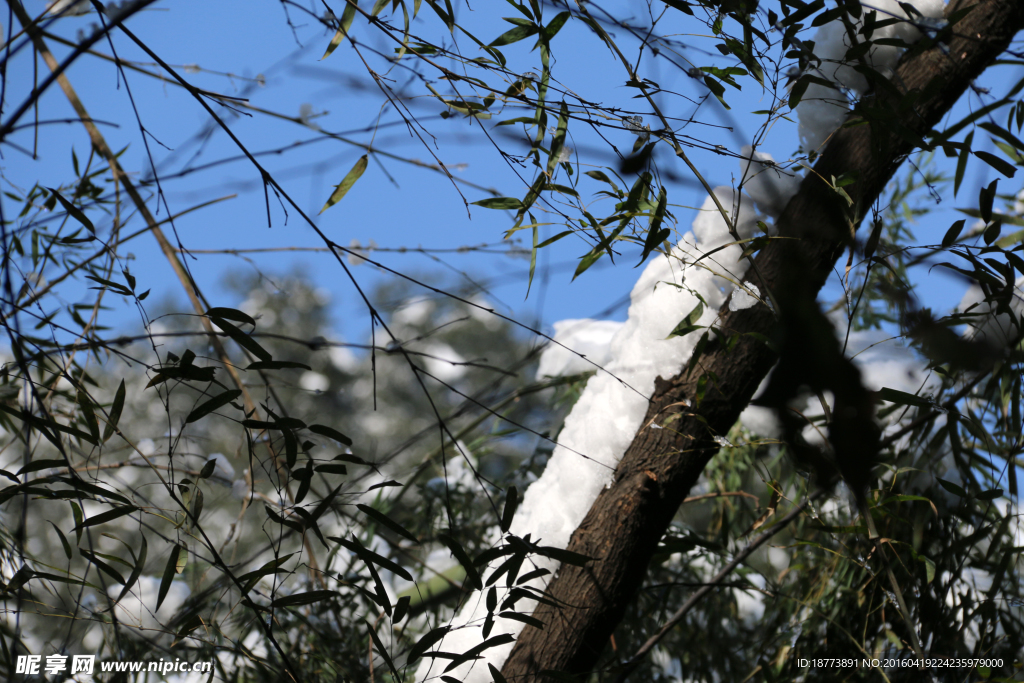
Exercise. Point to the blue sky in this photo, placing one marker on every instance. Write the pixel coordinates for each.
(278, 68)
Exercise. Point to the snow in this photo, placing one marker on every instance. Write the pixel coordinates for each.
(767, 184)
(744, 297)
(613, 404)
(823, 109)
(443, 362)
(589, 338)
(314, 382)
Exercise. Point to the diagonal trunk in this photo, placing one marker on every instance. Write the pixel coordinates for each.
(629, 518)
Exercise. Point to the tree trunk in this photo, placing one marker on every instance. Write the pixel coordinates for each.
(628, 519)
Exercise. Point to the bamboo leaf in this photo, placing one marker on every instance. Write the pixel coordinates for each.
(381, 649)
(231, 314)
(961, 164)
(74, 211)
(170, 569)
(460, 555)
(212, 405)
(509, 203)
(689, 323)
(345, 185)
(424, 643)
(242, 339)
(140, 564)
(655, 234)
(509, 511)
(63, 540)
(379, 516)
(115, 412)
(307, 598)
(330, 433)
(514, 35)
(107, 516)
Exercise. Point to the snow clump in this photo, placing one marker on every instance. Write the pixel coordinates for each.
(823, 109)
(588, 338)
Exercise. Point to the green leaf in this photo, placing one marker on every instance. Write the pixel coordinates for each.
(952, 488)
(381, 649)
(564, 556)
(509, 511)
(42, 464)
(555, 25)
(558, 141)
(533, 260)
(472, 653)
(589, 259)
(89, 416)
(523, 618)
(368, 556)
(689, 323)
(197, 507)
(106, 516)
(961, 164)
(380, 517)
(277, 365)
(208, 468)
(170, 569)
(115, 414)
(599, 175)
(514, 35)
(953, 233)
(797, 93)
(212, 405)
(63, 540)
(74, 211)
(140, 564)
(344, 186)
(242, 339)
(116, 286)
(903, 398)
(424, 643)
(44, 426)
(991, 494)
(332, 469)
(460, 555)
(508, 203)
(343, 27)
(656, 235)
(231, 314)
(100, 564)
(330, 433)
(986, 196)
(998, 163)
(929, 568)
(307, 598)
(305, 477)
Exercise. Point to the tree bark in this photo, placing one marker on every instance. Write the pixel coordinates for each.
(628, 519)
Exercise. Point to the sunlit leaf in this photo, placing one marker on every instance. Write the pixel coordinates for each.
(345, 185)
